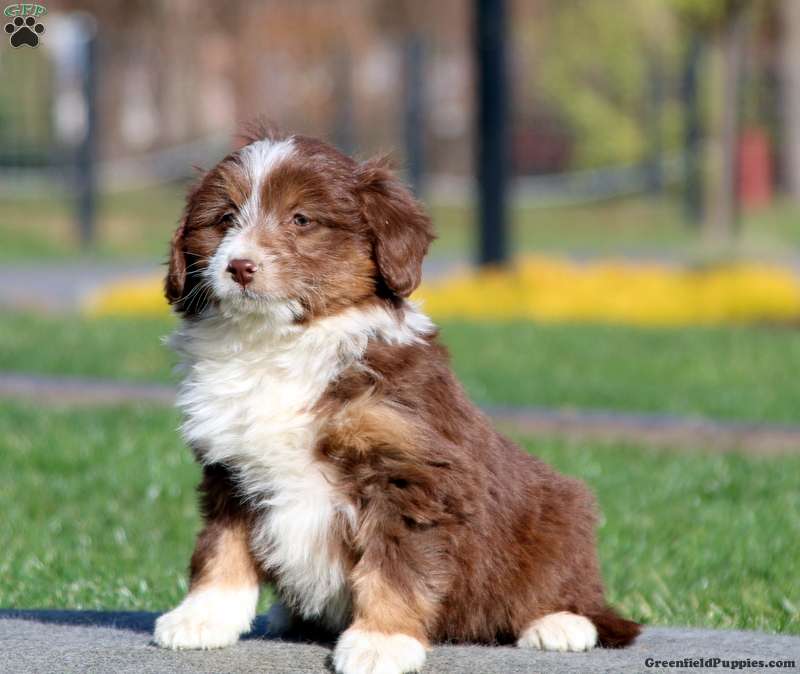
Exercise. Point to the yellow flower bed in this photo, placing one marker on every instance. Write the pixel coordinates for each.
(133, 297)
(549, 289)
(546, 289)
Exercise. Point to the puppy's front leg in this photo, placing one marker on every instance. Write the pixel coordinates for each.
(224, 579)
(388, 634)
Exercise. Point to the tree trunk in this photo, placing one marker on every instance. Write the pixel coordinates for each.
(723, 209)
(790, 95)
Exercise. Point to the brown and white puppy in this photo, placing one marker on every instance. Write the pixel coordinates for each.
(342, 461)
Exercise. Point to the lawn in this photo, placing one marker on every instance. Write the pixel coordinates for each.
(99, 512)
(746, 373)
(130, 225)
(139, 223)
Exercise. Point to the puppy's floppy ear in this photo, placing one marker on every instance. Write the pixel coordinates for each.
(400, 229)
(175, 281)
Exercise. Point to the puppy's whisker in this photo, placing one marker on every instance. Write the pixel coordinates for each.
(197, 263)
(195, 291)
(207, 295)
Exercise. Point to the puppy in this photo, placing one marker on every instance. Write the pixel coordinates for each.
(342, 461)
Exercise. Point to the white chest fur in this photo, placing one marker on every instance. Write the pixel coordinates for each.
(247, 397)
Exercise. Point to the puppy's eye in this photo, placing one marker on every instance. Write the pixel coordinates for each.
(227, 219)
(301, 220)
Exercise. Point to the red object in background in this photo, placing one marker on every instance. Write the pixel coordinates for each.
(755, 169)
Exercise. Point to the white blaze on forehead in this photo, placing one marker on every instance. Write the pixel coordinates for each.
(259, 160)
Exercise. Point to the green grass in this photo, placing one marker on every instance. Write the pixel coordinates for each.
(614, 227)
(744, 373)
(727, 372)
(630, 226)
(134, 224)
(139, 224)
(693, 539)
(121, 348)
(99, 512)
(97, 505)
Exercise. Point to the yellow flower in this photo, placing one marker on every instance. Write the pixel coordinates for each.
(133, 297)
(547, 289)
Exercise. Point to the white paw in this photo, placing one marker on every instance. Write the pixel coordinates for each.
(364, 652)
(205, 619)
(561, 631)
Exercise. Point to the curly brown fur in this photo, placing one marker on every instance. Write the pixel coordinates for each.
(343, 460)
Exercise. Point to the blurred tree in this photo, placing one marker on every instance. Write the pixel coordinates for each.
(594, 68)
(723, 23)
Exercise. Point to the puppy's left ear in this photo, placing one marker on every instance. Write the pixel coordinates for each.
(400, 229)
(175, 281)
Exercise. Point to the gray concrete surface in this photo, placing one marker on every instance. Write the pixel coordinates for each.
(96, 642)
(48, 285)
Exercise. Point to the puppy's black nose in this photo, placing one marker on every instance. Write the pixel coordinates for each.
(242, 271)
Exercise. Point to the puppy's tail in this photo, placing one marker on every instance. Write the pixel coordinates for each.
(614, 631)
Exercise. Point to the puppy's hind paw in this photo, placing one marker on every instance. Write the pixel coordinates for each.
(562, 631)
(365, 652)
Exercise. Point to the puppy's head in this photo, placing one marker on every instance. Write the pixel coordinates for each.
(291, 225)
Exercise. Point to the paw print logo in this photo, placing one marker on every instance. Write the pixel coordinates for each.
(24, 31)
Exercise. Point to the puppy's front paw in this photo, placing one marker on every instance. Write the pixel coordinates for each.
(211, 618)
(365, 652)
(562, 631)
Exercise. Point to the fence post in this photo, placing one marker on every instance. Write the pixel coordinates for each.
(654, 164)
(693, 188)
(414, 111)
(489, 35)
(86, 151)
